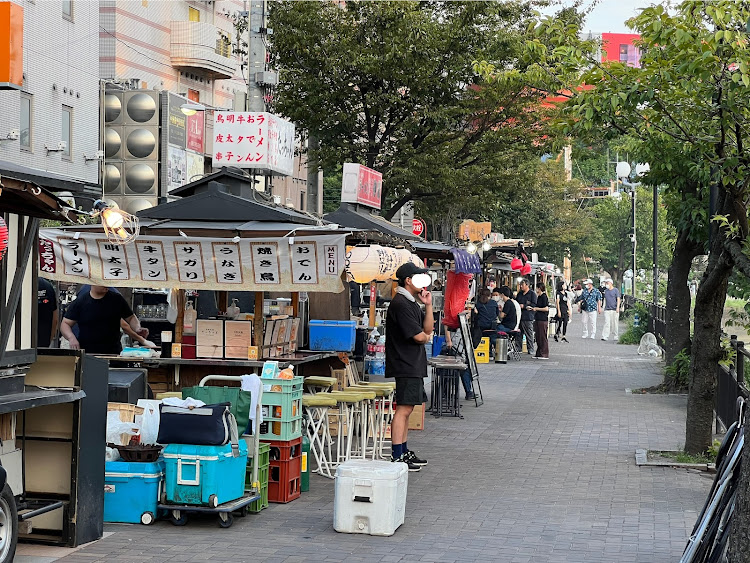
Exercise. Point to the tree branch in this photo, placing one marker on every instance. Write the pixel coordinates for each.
(741, 261)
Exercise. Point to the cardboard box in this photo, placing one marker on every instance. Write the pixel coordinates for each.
(416, 420)
(237, 339)
(341, 379)
(209, 338)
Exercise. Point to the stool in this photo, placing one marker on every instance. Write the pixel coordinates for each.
(318, 432)
(514, 350)
(319, 384)
(353, 412)
(376, 414)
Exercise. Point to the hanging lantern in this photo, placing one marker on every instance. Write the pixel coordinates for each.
(3, 238)
(516, 264)
(526, 269)
(372, 263)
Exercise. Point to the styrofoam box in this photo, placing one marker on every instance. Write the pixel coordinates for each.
(370, 497)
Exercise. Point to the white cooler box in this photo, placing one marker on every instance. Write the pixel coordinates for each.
(370, 497)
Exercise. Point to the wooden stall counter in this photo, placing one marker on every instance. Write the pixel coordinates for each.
(171, 374)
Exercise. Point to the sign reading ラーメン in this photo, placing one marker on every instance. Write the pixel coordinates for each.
(272, 264)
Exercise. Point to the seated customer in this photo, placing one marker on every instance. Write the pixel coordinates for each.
(508, 316)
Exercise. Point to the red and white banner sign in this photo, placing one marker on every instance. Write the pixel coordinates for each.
(361, 185)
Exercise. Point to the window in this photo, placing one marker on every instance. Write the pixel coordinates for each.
(67, 9)
(26, 121)
(67, 131)
(194, 15)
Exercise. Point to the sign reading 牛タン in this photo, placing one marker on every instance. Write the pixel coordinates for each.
(361, 185)
(257, 140)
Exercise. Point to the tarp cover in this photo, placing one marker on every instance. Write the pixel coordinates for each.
(310, 263)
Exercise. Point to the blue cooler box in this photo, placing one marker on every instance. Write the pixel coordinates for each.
(132, 490)
(333, 336)
(204, 475)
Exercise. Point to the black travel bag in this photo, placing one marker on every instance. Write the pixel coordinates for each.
(209, 425)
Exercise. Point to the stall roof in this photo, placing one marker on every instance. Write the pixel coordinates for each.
(432, 250)
(47, 180)
(27, 198)
(348, 216)
(216, 204)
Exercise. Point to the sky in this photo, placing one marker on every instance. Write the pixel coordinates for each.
(610, 15)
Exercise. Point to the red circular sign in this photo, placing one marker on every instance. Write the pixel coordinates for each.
(417, 227)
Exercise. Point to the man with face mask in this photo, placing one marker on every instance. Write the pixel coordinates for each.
(407, 329)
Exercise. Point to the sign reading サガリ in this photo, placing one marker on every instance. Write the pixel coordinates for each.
(276, 264)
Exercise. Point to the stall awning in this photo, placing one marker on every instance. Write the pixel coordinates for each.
(466, 263)
(348, 216)
(47, 180)
(312, 263)
(431, 250)
(24, 197)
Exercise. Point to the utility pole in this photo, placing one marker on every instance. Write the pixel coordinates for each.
(256, 54)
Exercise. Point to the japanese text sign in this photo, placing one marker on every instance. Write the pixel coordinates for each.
(258, 140)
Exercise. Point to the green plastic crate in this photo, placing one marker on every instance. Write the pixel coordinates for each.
(263, 454)
(283, 431)
(287, 385)
(285, 406)
(258, 505)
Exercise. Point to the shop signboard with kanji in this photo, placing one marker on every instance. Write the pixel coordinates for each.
(361, 185)
(271, 264)
(256, 140)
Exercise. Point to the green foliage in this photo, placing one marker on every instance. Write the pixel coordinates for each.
(393, 85)
(332, 189)
(678, 372)
(633, 334)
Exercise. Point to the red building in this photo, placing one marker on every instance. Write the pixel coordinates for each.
(620, 47)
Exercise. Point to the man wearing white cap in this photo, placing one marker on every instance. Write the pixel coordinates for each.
(590, 305)
(611, 311)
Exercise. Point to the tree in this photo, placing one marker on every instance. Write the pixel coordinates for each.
(687, 105)
(392, 85)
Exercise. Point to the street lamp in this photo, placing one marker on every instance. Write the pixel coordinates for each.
(623, 172)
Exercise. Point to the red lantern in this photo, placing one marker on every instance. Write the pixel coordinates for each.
(3, 238)
(526, 270)
(516, 264)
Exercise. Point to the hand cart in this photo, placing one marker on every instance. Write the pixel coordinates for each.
(178, 512)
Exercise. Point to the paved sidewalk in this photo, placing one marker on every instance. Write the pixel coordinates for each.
(544, 471)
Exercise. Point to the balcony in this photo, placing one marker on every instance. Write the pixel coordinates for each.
(197, 46)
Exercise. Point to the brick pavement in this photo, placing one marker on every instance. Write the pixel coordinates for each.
(544, 471)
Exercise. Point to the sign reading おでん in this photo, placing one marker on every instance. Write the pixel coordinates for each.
(258, 140)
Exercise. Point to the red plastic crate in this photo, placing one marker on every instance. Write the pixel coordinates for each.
(284, 450)
(284, 480)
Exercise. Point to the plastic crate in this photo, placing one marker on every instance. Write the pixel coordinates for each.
(281, 431)
(263, 454)
(333, 336)
(258, 505)
(284, 480)
(274, 386)
(482, 356)
(284, 406)
(285, 450)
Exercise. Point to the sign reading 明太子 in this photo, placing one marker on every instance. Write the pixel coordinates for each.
(273, 264)
(361, 185)
(258, 140)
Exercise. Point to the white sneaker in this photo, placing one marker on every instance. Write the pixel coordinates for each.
(584, 336)
(593, 338)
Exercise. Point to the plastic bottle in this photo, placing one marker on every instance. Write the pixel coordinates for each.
(380, 348)
(189, 318)
(366, 319)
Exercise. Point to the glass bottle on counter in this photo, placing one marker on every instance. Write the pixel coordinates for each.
(188, 321)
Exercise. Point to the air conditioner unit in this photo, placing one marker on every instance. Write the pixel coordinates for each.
(267, 78)
(277, 199)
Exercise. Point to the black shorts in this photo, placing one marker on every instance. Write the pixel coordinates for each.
(410, 391)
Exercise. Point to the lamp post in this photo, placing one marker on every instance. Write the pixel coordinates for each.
(623, 172)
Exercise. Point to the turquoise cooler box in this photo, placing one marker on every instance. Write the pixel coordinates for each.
(132, 490)
(204, 475)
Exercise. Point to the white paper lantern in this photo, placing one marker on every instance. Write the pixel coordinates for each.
(371, 263)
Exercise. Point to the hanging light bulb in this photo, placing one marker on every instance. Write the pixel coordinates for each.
(486, 246)
(471, 248)
(119, 226)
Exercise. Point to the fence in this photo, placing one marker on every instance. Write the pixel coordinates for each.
(730, 384)
(657, 316)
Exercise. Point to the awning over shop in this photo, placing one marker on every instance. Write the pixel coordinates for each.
(348, 216)
(24, 197)
(466, 263)
(47, 180)
(431, 250)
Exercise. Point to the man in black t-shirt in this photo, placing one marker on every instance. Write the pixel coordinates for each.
(407, 330)
(527, 300)
(508, 318)
(47, 316)
(97, 314)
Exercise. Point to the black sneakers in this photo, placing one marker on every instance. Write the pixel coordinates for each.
(404, 459)
(412, 457)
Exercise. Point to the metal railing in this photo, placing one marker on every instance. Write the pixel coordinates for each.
(657, 316)
(730, 384)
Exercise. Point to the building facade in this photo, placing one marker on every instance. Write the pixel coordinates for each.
(50, 125)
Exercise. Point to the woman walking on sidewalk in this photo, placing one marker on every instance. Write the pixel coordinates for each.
(541, 322)
(562, 305)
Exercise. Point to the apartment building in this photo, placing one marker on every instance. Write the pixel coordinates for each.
(186, 47)
(49, 122)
